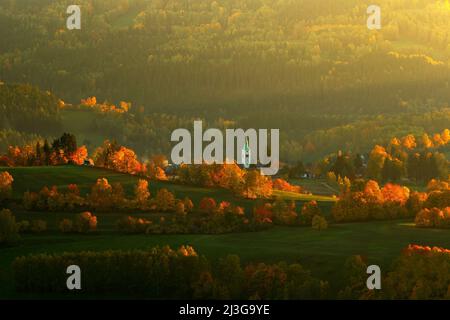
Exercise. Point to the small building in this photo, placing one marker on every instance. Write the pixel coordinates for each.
(88, 162)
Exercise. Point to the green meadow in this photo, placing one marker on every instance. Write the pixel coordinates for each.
(323, 252)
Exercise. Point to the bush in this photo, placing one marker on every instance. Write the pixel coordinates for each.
(6, 181)
(319, 223)
(309, 211)
(180, 209)
(208, 206)
(133, 225)
(38, 226)
(66, 226)
(165, 200)
(24, 226)
(9, 231)
(85, 222)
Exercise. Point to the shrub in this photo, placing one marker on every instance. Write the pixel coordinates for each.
(66, 226)
(9, 231)
(165, 200)
(85, 222)
(319, 223)
(141, 194)
(208, 206)
(24, 226)
(133, 225)
(284, 213)
(38, 226)
(180, 209)
(101, 196)
(283, 185)
(6, 181)
(188, 205)
(309, 211)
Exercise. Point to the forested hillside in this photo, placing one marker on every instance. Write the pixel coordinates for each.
(310, 68)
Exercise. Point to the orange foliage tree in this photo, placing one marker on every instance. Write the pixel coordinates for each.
(6, 181)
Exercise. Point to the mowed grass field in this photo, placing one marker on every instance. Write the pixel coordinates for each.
(323, 252)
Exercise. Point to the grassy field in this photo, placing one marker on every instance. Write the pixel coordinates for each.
(322, 252)
(35, 178)
(316, 186)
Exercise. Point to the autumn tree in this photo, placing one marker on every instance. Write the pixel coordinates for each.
(79, 155)
(376, 162)
(179, 208)
(6, 181)
(8, 227)
(125, 160)
(67, 144)
(283, 212)
(188, 204)
(256, 185)
(309, 211)
(155, 172)
(85, 222)
(100, 197)
(165, 200)
(319, 223)
(208, 206)
(141, 194)
(355, 278)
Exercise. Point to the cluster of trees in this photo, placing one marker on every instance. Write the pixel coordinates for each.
(421, 272)
(367, 201)
(164, 273)
(435, 211)
(103, 197)
(246, 183)
(51, 199)
(35, 226)
(90, 103)
(111, 197)
(27, 109)
(283, 185)
(361, 201)
(6, 181)
(408, 157)
(281, 212)
(83, 223)
(433, 218)
(210, 219)
(9, 229)
(63, 150)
